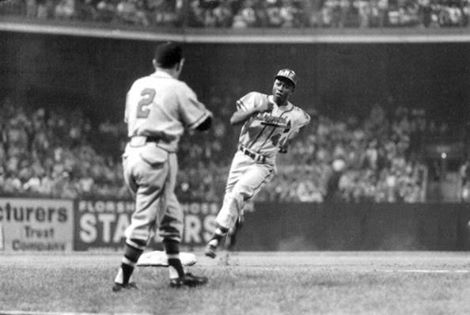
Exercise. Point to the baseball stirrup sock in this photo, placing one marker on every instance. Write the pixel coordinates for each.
(128, 262)
(219, 234)
(175, 267)
(174, 263)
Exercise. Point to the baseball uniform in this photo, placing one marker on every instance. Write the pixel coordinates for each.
(269, 123)
(254, 162)
(158, 109)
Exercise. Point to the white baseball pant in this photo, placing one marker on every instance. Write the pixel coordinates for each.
(245, 180)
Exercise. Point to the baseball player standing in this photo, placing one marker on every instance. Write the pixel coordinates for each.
(269, 124)
(158, 109)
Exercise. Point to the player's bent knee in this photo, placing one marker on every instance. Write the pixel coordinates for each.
(246, 196)
(242, 194)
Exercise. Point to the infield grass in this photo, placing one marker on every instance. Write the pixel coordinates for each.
(248, 283)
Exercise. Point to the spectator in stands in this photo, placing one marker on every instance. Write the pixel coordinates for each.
(382, 7)
(106, 11)
(86, 10)
(289, 14)
(165, 12)
(332, 184)
(425, 12)
(195, 16)
(270, 15)
(246, 16)
(45, 9)
(65, 9)
(31, 8)
(223, 15)
(464, 173)
(132, 12)
(364, 12)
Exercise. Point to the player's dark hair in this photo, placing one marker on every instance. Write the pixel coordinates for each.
(168, 54)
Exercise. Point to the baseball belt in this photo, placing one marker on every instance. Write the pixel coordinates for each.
(255, 156)
(137, 141)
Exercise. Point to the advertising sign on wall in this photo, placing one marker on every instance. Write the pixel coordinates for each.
(101, 224)
(36, 224)
(199, 222)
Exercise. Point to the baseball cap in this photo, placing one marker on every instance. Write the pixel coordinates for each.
(168, 54)
(287, 74)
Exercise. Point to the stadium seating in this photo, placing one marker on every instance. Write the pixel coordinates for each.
(240, 14)
(59, 153)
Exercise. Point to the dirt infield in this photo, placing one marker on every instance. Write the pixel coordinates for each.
(244, 283)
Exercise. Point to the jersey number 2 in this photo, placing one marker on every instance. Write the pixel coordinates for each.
(147, 98)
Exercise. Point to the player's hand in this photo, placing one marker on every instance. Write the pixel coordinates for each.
(266, 107)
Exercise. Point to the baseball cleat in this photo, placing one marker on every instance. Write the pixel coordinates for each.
(188, 280)
(210, 251)
(128, 286)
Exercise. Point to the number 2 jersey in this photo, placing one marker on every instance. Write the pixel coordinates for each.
(264, 133)
(161, 106)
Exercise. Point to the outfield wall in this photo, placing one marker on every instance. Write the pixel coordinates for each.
(99, 225)
(304, 226)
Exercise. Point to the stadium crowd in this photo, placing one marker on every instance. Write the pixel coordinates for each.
(59, 153)
(48, 153)
(356, 161)
(239, 14)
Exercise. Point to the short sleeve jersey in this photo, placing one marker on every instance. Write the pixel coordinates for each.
(265, 132)
(161, 106)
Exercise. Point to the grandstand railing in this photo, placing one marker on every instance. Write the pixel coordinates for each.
(307, 22)
(197, 35)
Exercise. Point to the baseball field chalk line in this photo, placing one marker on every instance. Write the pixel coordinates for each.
(62, 313)
(458, 271)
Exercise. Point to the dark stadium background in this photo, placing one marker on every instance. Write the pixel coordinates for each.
(337, 79)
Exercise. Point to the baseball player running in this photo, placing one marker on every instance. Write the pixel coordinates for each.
(270, 122)
(158, 109)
